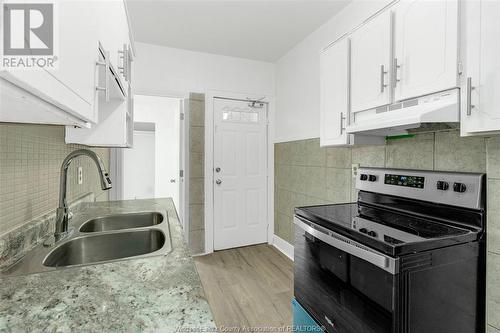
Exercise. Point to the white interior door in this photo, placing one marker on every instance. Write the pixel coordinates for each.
(139, 167)
(240, 174)
(164, 113)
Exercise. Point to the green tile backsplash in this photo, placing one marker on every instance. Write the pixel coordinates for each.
(306, 174)
(196, 172)
(30, 162)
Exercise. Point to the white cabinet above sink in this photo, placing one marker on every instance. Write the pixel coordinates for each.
(70, 84)
(114, 99)
(69, 93)
(20, 106)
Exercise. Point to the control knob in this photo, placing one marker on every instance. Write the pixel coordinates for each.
(459, 187)
(372, 178)
(363, 177)
(442, 185)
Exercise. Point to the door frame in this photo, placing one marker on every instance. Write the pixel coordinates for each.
(209, 161)
(116, 158)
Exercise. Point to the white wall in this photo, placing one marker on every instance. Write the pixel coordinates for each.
(162, 69)
(139, 167)
(164, 112)
(297, 73)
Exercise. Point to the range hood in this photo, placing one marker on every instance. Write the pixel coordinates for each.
(432, 112)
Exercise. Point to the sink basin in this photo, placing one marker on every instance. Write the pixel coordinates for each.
(122, 221)
(97, 248)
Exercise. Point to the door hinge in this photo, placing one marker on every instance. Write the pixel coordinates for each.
(182, 115)
(181, 173)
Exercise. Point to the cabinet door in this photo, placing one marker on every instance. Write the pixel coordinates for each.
(370, 63)
(426, 47)
(334, 94)
(113, 29)
(78, 51)
(71, 85)
(481, 78)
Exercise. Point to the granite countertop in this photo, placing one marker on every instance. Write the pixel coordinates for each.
(155, 294)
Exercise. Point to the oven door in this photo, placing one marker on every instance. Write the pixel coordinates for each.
(346, 286)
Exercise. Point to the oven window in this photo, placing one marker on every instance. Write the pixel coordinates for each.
(344, 293)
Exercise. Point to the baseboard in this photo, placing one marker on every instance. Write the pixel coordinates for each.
(283, 246)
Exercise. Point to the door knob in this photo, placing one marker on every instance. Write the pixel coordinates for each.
(172, 180)
(217, 169)
(218, 182)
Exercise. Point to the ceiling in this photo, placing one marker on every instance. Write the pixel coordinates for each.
(259, 30)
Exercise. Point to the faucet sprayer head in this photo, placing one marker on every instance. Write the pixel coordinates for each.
(105, 181)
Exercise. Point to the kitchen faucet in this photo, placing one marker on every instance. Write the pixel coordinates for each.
(62, 215)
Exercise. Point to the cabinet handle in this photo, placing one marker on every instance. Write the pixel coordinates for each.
(343, 243)
(342, 128)
(383, 72)
(105, 64)
(469, 89)
(124, 57)
(395, 79)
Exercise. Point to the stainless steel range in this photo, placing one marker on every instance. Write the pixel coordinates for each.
(408, 256)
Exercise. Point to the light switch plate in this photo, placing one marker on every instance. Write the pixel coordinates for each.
(354, 169)
(80, 175)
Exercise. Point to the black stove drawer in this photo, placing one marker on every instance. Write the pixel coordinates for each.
(349, 291)
(324, 285)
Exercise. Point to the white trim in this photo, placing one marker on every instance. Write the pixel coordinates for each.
(283, 246)
(184, 161)
(162, 93)
(130, 31)
(209, 177)
(116, 173)
(209, 161)
(116, 159)
(270, 170)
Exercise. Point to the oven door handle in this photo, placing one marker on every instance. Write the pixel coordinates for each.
(345, 244)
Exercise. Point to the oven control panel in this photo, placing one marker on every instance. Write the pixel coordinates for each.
(451, 188)
(404, 180)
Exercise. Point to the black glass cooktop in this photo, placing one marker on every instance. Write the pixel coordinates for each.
(391, 231)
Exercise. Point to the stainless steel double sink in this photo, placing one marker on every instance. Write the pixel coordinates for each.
(101, 240)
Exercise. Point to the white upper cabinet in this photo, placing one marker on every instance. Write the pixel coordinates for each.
(371, 63)
(81, 26)
(334, 106)
(481, 78)
(78, 52)
(114, 99)
(113, 29)
(70, 86)
(425, 47)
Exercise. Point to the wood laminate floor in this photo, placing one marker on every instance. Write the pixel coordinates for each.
(248, 287)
